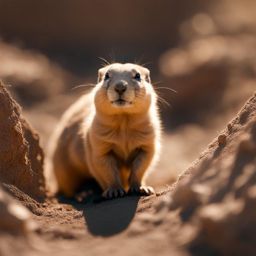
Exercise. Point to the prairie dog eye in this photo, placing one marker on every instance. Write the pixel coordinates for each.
(137, 77)
(106, 76)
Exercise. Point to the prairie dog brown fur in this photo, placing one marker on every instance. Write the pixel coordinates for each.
(111, 134)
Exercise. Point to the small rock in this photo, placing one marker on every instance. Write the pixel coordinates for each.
(222, 139)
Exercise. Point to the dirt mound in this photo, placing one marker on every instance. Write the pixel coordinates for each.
(217, 194)
(207, 74)
(21, 156)
(31, 75)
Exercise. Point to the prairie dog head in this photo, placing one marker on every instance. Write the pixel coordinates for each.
(123, 88)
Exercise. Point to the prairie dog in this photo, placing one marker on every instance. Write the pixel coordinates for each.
(111, 134)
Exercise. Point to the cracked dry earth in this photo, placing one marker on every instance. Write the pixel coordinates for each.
(210, 210)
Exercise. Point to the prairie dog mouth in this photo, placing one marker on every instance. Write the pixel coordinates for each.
(121, 102)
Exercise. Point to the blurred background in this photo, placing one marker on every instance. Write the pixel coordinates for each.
(205, 50)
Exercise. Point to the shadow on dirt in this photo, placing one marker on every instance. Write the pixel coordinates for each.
(103, 217)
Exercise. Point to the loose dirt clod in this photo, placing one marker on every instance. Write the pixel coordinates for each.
(222, 139)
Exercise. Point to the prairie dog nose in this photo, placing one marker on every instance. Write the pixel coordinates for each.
(121, 87)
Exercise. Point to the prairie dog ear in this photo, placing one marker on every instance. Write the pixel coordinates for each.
(147, 75)
(101, 73)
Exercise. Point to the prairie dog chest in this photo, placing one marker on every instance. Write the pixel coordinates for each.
(126, 140)
(122, 136)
